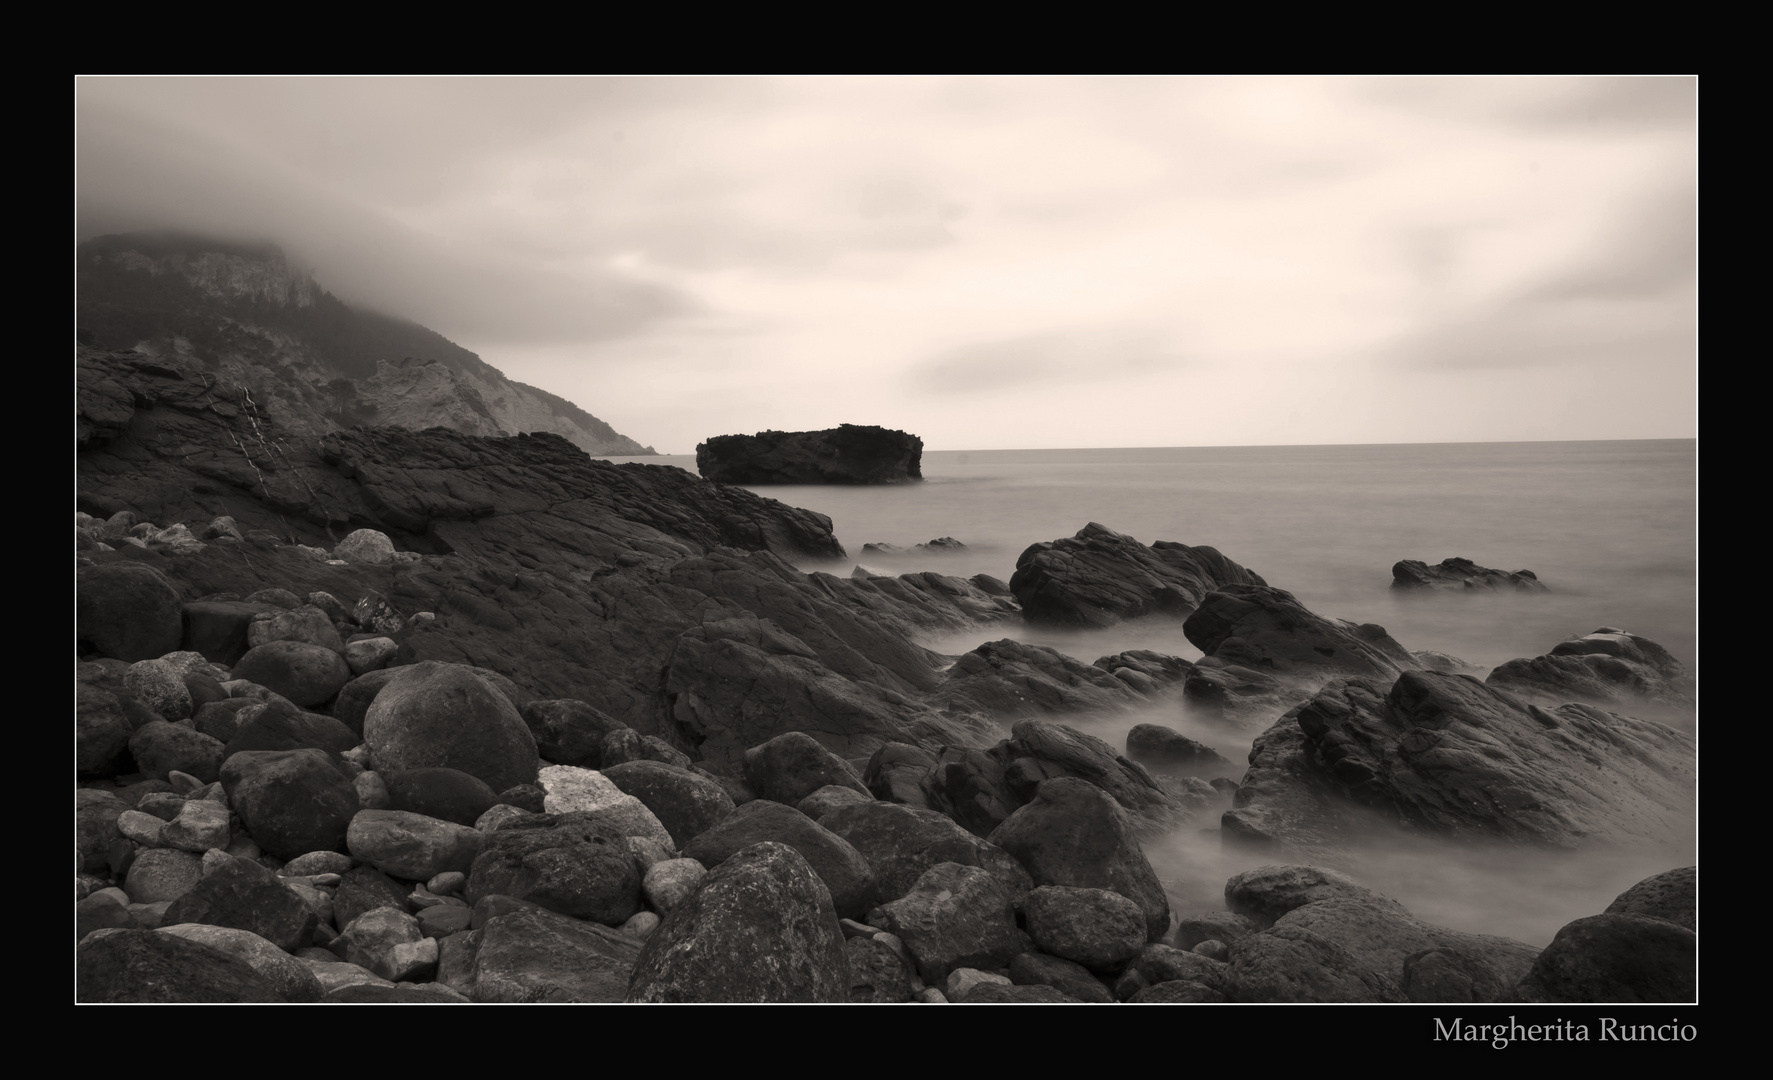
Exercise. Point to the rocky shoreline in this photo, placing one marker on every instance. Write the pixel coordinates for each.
(385, 715)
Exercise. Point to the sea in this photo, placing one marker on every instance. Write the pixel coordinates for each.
(1609, 527)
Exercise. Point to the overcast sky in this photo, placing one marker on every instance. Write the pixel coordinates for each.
(985, 262)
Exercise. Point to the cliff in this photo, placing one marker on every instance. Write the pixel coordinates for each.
(245, 316)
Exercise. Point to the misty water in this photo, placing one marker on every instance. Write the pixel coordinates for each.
(1609, 527)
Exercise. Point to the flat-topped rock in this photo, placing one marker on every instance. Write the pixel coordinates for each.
(850, 454)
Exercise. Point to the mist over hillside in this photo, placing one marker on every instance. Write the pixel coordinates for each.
(241, 311)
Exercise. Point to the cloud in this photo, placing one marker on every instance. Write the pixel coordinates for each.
(1553, 104)
(1051, 358)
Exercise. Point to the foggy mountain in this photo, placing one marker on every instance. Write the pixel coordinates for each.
(241, 312)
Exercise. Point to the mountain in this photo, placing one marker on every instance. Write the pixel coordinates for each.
(243, 314)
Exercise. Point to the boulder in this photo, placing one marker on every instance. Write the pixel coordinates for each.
(1074, 833)
(304, 673)
(1609, 667)
(901, 843)
(149, 967)
(292, 801)
(1671, 895)
(685, 802)
(1268, 629)
(128, 611)
(241, 894)
(760, 928)
(1166, 750)
(954, 917)
(1099, 577)
(538, 956)
(1629, 959)
(849, 454)
(840, 867)
(445, 715)
(572, 864)
(793, 765)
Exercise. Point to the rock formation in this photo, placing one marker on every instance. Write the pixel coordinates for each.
(1461, 575)
(248, 319)
(1100, 577)
(850, 454)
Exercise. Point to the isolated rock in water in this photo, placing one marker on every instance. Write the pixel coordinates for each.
(849, 454)
(759, 928)
(1271, 631)
(1671, 895)
(1448, 755)
(1616, 958)
(1608, 667)
(1100, 577)
(1461, 575)
(1166, 750)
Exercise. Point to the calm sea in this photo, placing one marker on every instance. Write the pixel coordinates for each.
(1609, 527)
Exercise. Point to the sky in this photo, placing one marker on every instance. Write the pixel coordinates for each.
(984, 262)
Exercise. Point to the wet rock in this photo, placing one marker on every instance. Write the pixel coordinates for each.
(585, 791)
(1066, 976)
(1099, 929)
(901, 843)
(793, 765)
(1609, 667)
(160, 748)
(448, 794)
(294, 980)
(569, 732)
(1291, 964)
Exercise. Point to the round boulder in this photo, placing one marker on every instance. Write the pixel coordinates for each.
(304, 673)
(127, 611)
(434, 714)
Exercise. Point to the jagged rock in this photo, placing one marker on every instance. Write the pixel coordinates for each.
(1074, 833)
(760, 928)
(1460, 575)
(1268, 629)
(1448, 755)
(849, 454)
(1100, 577)
(1608, 667)
(1011, 680)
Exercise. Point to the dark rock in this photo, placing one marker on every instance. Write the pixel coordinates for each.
(1158, 964)
(686, 803)
(1265, 894)
(1671, 895)
(525, 797)
(994, 993)
(840, 867)
(279, 725)
(1177, 992)
(1074, 833)
(292, 801)
(355, 699)
(444, 715)
(901, 843)
(128, 611)
(793, 765)
(829, 798)
(760, 928)
(849, 454)
(1100, 577)
(895, 774)
(102, 732)
(569, 732)
(447, 794)
(243, 895)
(1146, 671)
(305, 674)
(539, 956)
(365, 888)
(1097, 928)
(1609, 667)
(574, 865)
(955, 916)
(1291, 964)
(1448, 755)
(1225, 926)
(878, 975)
(1166, 750)
(1435, 976)
(145, 967)
(160, 748)
(95, 827)
(1460, 575)
(1268, 629)
(1628, 959)
(1011, 680)
(1068, 977)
